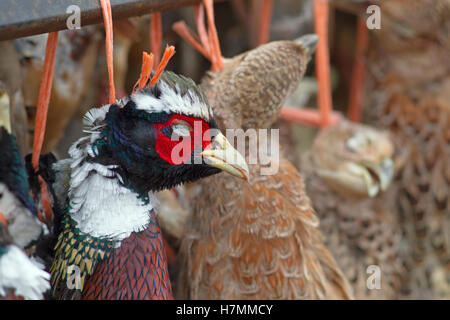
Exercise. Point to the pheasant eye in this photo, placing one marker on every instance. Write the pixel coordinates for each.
(181, 129)
(357, 143)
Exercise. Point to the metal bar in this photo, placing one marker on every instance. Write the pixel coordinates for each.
(21, 18)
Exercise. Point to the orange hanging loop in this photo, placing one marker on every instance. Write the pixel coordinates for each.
(107, 18)
(216, 55)
(186, 33)
(264, 21)
(44, 98)
(306, 117)
(202, 33)
(209, 41)
(155, 37)
(323, 61)
(358, 73)
(41, 119)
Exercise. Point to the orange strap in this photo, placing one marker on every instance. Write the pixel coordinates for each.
(41, 119)
(107, 18)
(358, 74)
(44, 98)
(306, 117)
(155, 37)
(186, 33)
(264, 21)
(209, 41)
(323, 61)
(200, 22)
(217, 64)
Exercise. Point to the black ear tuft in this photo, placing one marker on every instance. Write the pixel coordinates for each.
(155, 91)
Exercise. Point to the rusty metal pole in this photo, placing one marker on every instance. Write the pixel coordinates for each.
(22, 18)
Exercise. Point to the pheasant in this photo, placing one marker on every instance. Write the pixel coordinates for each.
(11, 95)
(109, 231)
(256, 240)
(408, 95)
(75, 61)
(20, 277)
(346, 170)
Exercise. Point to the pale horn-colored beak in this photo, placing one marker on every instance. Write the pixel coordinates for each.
(378, 176)
(384, 172)
(226, 158)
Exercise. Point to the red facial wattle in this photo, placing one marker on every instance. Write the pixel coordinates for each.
(179, 151)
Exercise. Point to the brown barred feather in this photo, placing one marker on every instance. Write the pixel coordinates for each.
(260, 242)
(408, 93)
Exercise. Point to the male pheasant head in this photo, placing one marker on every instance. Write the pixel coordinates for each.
(162, 135)
(354, 159)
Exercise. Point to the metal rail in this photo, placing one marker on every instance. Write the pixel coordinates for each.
(21, 18)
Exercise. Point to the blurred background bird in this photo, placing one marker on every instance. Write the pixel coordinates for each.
(407, 93)
(76, 56)
(346, 171)
(13, 115)
(20, 276)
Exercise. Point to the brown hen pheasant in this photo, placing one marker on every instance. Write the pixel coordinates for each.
(346, 169)
(257, 239)
(408, 93)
